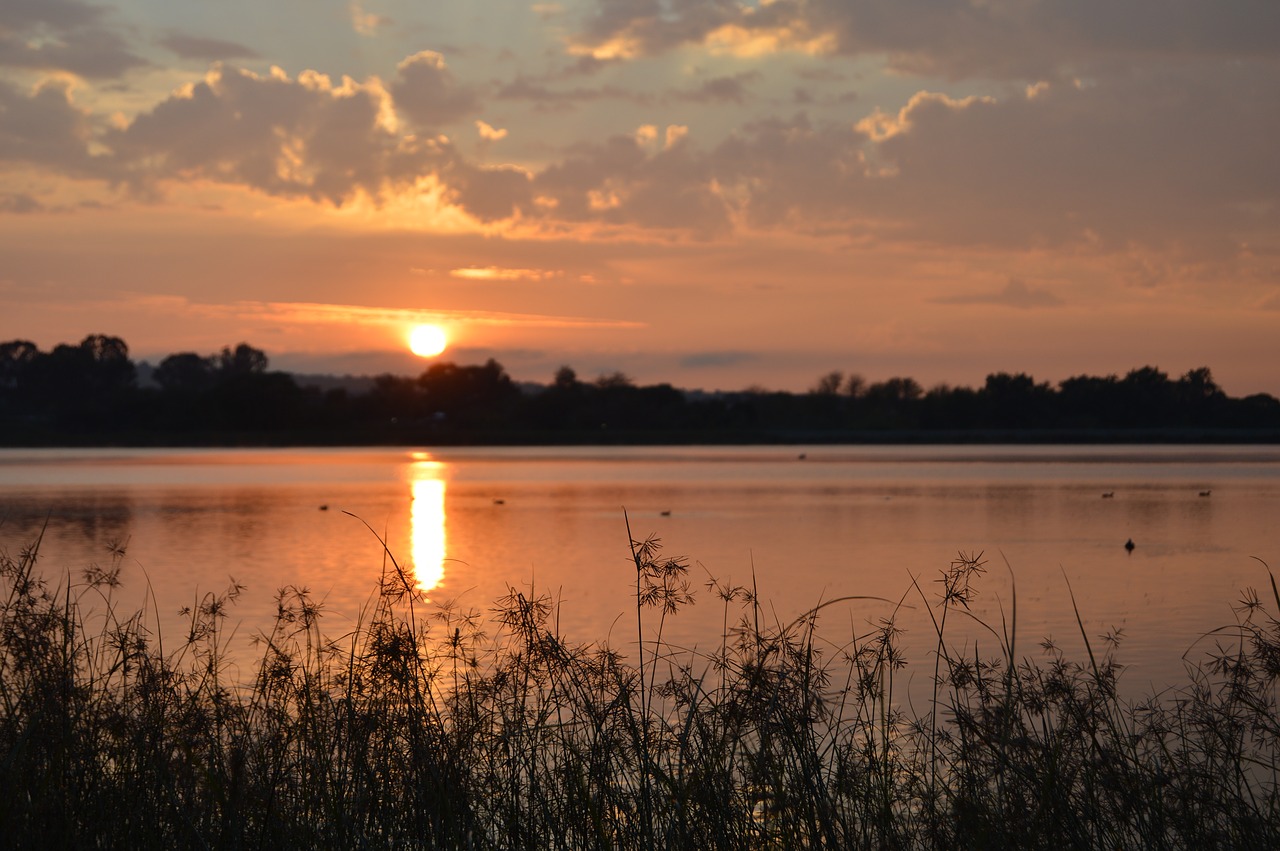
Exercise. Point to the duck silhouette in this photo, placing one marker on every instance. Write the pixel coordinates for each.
(1129, 545)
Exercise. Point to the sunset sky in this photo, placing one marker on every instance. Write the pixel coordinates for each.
(711, 193)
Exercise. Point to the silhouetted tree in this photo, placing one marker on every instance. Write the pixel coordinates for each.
(565, 379)
(244, 359)
(828, 384)
(16, 359)
(614, 380)
(855, 385)
(895, 390)
(1086, 401)
(186, 372)
(83, 386)
(468, 395)
(1148, 398)
(1016, 401)
(89, 388)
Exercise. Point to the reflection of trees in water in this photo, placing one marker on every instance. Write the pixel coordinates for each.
(238, 514)
(97, 518)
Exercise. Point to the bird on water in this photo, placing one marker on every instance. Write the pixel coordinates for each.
(1129, 545)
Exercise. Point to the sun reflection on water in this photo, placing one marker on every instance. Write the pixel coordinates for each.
(426, 521)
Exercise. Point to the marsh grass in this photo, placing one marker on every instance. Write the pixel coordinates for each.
(429, 726)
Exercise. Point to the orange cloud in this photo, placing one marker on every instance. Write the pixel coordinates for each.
(308, 312)
(494, 273)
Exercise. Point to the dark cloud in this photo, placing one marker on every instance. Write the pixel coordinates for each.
(19, 203)
(300, 137)
(625, 181)
(1175, 159)
(208, 49)
(62, 35)
(427, 92)
(586, 66)
(490, 194)
(656, 27)
(45, 128)
(1169, 158)
(1003, 39)
(547, 97)
(1015, 294)
(303, 137)
(721, 89)
(20, 15)
(795, 174)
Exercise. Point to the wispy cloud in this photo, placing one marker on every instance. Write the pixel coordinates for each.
(1015, 294)
(308, 312)
(209, 49)
(63, 35)
(365, 23)
(495, 273)
(944, 38)
(19, 202)
(702, 360)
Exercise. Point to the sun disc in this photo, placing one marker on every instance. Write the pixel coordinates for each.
(427, 341)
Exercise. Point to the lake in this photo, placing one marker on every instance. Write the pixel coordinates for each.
(805, 524)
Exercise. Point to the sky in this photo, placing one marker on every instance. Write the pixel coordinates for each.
(711, 193)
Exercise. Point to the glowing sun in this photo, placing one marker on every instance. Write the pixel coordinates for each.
(427, 341)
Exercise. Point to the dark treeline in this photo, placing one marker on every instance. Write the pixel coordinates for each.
(91, 393)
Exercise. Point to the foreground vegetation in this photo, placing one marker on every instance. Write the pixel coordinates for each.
(92, 393)
(430, 727)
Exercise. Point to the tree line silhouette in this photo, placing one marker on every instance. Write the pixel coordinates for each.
(91, 393)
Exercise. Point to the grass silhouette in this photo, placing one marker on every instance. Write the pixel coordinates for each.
(427, 726)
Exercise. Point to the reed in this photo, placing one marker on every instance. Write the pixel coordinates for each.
(430, 726)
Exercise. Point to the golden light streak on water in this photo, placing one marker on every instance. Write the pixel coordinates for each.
(427, 522)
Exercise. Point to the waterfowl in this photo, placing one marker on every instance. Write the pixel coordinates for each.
(1205, 493)
(1129, 545)
(1108, 494)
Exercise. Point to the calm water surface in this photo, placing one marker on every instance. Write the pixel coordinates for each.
(809, 523)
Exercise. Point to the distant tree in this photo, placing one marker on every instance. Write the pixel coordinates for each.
(566, 378)
(828, 384)
(99, 364)
(1016, 401)
(614, 380)
(83, 385)
(1148, 398)
(393, 397)
(893, 403)
(952, 408)
(16, 357)
(257, 401)
(1198, 384)
(1088, 401)
(186, 372)
(895, 389)
(468, 394)
(242, 360)
(855, 385)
